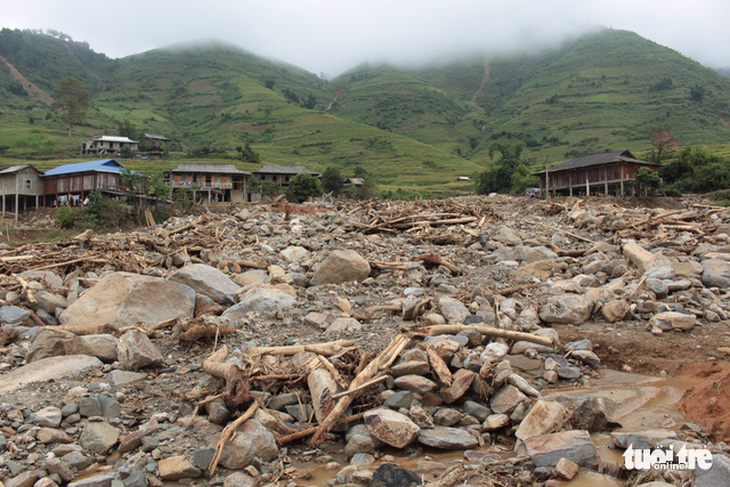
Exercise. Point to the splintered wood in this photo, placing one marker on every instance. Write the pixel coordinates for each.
(437, 221)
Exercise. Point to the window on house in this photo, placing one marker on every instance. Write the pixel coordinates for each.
(28, 184)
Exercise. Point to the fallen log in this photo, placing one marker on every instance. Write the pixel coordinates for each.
(237, 384)
(437, 260)
(327, 348)
(227, 433)
(383, 360)
(488, 331)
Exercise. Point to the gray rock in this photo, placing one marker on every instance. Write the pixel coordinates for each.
(136, 351)
(51, 368)
(252, 440)
(13, 315)
(576, 446)
(476, 409)
(522, 253)
(567, 309)
(89, 406)
(208, 281)
(640, 440)
(359, 444)
(48, 278)
(716, 476)
(411, 367)
(506, 400)
(50, 416)
(103, 347)
(261, 300)
(99, 437)
(446, 438)
(50, 302)
(400, 399)
(239, 479)
(103, 479)
(447, 417)
(119, 378)
(295, 254)
(454, 311)
(391, 427)
(716, 273)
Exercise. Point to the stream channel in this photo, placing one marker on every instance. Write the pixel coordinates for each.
(636, 402)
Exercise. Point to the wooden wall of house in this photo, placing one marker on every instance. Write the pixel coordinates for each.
(81, 183)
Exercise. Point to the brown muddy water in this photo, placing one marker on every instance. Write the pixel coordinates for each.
(637, 403)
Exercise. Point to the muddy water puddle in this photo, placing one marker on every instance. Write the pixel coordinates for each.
(636, 402)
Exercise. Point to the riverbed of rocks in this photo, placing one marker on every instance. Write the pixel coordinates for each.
(108, 340)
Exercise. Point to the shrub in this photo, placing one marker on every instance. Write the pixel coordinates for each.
(65, 217)
(303, 186)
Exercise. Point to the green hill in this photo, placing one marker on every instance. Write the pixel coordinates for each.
(416, 129)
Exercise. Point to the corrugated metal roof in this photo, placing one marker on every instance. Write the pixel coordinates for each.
(12, 169)
(599, 159)
(116, 138)
(209, 168)
(103, 165)
(156, 137)
(284, 170)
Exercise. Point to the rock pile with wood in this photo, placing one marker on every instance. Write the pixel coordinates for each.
(275, 345)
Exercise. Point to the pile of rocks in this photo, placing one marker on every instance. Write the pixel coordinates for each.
(100, 386)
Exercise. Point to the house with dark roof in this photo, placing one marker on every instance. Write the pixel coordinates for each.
(154, 145)
(20, 188)
(216, 182)
(282, 174)
(72, 183)
(608, 172)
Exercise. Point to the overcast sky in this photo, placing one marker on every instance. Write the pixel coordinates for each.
(332, 36)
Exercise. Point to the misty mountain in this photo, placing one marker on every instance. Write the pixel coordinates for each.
(610, 89)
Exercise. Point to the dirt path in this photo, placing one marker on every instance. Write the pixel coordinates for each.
(485, 78)
(34, 92)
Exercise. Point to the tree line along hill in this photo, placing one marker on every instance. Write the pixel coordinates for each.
(416, 130)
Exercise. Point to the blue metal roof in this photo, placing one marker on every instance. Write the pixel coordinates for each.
(103, 165)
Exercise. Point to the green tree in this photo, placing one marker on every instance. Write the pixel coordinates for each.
(498, 178)
(271, 189)
(697, 93)
(72, 99)
(247, 154)
(303, 186)
(332, 181)
(65, 216)
(647, 180)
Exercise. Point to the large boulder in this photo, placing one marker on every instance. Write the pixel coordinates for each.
(252, 440)
(576, 446)
(446, 438)
(341, 266)
(123, 299)
(263, 299)
(716, 273)
(47, 369)
(567, 309)
(208, 281)
(391, 427)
